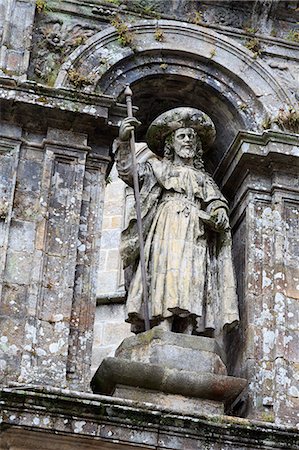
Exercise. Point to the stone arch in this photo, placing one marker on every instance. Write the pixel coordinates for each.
(191, 66)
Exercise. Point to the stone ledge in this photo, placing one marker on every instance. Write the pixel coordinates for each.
(114, 371)
(100, 421)
(54, 104)
(257, 150)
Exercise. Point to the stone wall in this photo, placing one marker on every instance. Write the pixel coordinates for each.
(63, 67)
(110, 282)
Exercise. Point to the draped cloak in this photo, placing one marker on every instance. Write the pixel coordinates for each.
(189, 263)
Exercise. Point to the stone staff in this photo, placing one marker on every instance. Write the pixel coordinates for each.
(128, 94)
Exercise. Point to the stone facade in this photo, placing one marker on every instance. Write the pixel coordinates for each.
(63, 67)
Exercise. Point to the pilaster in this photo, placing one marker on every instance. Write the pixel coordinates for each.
(259, 174)
(52, 183)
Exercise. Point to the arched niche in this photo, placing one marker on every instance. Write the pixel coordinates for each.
(191, 66)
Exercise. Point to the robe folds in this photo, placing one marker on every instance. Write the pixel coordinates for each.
(188, 262)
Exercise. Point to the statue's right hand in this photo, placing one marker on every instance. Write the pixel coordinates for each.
(128, 124)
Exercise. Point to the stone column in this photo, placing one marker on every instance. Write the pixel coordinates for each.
(259, 174)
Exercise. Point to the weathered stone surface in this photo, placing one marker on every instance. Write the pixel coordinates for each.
(265, 204)
(108, 316)
(241, 67)
(52, 186)
(172, 78)
(168, 363)
(114, 371)
(54, 419)
(176, 403)
(174, 350)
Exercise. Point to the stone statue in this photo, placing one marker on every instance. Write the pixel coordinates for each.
(186, 229)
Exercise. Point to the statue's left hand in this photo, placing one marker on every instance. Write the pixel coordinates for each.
(221, 219)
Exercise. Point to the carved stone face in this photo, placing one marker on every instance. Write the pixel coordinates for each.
(185, 142)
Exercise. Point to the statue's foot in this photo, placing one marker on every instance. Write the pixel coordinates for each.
(165, 325)
(189, 328)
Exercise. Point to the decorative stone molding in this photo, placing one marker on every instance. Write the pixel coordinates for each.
(53, 41)
(229, 57)
(68, 419)
(85, 112)
(216, 75)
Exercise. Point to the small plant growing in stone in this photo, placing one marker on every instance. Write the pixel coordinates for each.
(213, 53)
(243, 106)
(267, 416)
(80, 40)
(149, 11)
(42, 6)
(250, 30)
(197, 18)
(254, 46)
(266, 123)
(125, 37)
(159, 35)
(163, 66)
(288, 119)
(293, 36)
(114, 2)
(79, 79)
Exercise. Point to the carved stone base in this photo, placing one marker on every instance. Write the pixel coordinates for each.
(176, 403)
(171, 370)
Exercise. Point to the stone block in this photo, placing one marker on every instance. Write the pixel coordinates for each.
(110, 313)
(107, 282)
(110, 239)
(22, 236)
(173, 350)
(14, 301)
(67, 137)
(26, 206)
(18, 267)
(106, 223)
(175, 403)
(113, 258)
(98, 334)
(29, 175)
(14, 60)
(116, 222)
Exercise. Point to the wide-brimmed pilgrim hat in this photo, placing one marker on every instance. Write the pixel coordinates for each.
(183, 117)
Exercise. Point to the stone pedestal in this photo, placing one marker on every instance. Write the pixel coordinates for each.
(180, 372)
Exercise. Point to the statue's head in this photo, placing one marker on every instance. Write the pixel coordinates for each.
(185, 142)
(187, 131)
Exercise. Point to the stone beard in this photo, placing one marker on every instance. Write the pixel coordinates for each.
(186, 230)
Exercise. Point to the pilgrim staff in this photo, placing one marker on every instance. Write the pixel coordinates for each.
(128, 94)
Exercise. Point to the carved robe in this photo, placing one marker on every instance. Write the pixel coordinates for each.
(189, 264)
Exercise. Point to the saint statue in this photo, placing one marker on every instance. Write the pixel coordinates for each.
(191, 283)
